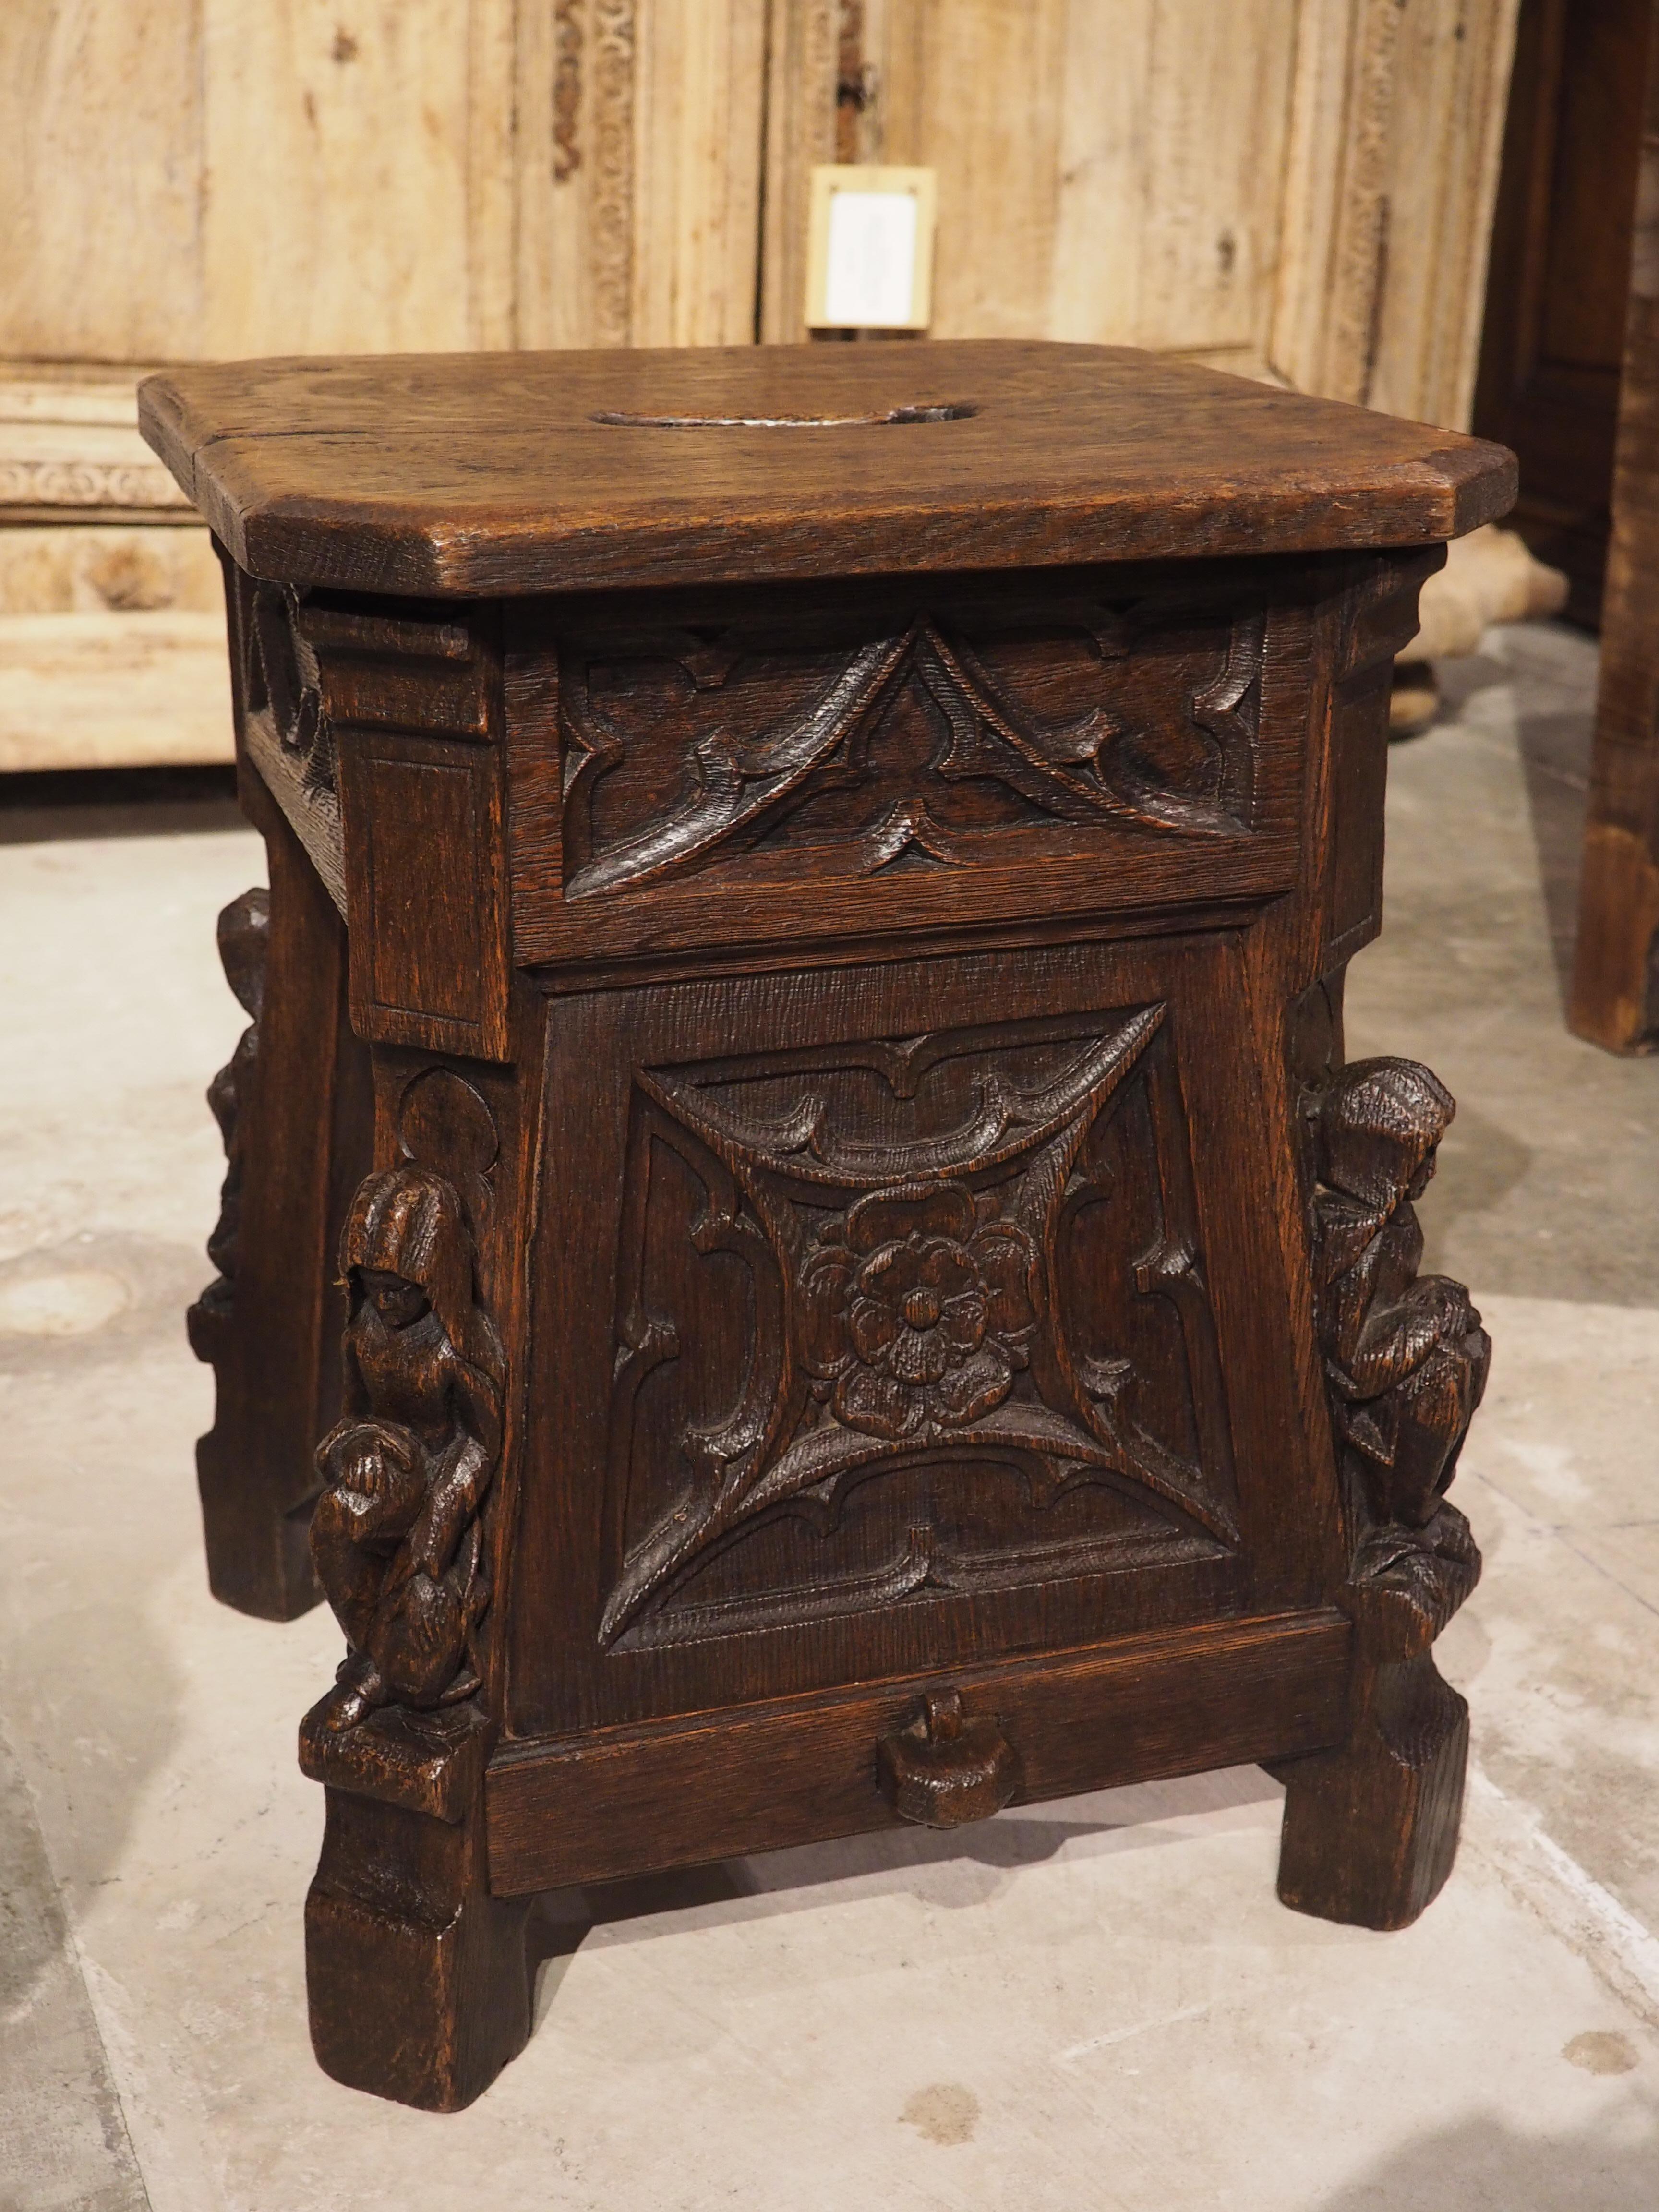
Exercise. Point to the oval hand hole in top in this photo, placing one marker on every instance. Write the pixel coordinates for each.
(942, 411)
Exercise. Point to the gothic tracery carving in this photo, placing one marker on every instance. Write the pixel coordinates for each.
(906, 1302)
(1104, 762)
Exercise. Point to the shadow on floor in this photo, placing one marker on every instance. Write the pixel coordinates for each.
(44, 806)
(951, 1869)
(1481, 2163)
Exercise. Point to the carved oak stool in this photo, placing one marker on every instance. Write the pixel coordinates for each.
(794, 1147)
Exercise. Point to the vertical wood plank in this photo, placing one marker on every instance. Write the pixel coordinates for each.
(1615, 985)
(1104, 171)
(803, 52)
(1395, 137)
(100, 174)
(972, 88)
(639, 171)
(350, 203)
(1108, 169)
(575, 172)
(1217, 94)
(491, 173)
(699, 87)
(1449, 99)
(1335, 222)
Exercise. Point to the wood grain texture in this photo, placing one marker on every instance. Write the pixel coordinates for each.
(700, 757)
(498, 479)
(102, 154)
(403, 116)
(302, 1138)
(1395, 136)
(1614, 1002)
(638, 169)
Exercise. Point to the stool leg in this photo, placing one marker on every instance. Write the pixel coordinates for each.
(417, 1978)
(1371, 1829)
(295, 1104)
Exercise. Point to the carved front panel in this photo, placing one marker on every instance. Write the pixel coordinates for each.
(893, 1316)
(925, 1314)
(909, 759)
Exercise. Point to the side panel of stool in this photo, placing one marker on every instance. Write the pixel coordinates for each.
(295, 1108)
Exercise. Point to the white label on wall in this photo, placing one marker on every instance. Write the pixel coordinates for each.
(871, 276)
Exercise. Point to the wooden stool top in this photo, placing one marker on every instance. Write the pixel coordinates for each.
(478, 475)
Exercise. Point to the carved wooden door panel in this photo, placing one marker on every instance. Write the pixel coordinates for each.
(928, 1284)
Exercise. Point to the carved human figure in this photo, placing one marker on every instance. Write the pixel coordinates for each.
(395, 1535)
(244, 936)
(1406, 1354)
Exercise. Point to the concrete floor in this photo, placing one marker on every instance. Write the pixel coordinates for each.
(1094, 2004)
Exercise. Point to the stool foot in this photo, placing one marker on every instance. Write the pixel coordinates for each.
(417, 1978)
(1371, 1830)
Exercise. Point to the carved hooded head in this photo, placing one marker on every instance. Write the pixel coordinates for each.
(243, 936)
(410, 1222)
(1378, 1126)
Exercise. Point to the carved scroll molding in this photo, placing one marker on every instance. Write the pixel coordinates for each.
(910, 1303)
(88, 484)
(1149, 743)
(244, 941)
(611, 185)
(397, 1536)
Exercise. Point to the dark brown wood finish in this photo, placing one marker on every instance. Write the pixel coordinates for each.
(1615, 984)
(428, 473)
(873, 1294)
(294, 1107)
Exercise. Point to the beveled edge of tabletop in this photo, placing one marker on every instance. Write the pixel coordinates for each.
(1392, 482)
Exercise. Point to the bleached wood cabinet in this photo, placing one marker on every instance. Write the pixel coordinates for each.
(1298, 189)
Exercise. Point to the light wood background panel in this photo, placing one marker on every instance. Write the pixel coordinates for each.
(101, 179)
(1169, 175)
(1108, 169)
(1390, 179)
(358, 181)
(1297, 189)
(188, 179)
(639, 171)
(1451, 83)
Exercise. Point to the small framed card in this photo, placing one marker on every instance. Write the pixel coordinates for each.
(870, 249)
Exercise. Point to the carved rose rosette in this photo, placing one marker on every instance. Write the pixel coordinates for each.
(918, 1308)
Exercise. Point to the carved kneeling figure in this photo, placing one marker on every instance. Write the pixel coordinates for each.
(1406, 1355)
(396, 1537)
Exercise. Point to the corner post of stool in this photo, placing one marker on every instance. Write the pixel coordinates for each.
(417, 1977)
(1370, 1827)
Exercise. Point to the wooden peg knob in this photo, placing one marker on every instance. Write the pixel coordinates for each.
(947, 1767)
